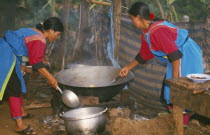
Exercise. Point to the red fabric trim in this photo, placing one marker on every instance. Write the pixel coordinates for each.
(154, 24)
(163, 39)
(36, 51)
(162, 27)
(15, 106)
(145, 52)
(40, 33)
(35, 37)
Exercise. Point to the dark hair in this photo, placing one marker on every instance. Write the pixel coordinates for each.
(53, 23)
(141, 9)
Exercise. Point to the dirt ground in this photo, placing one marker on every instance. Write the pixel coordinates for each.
(39, 93)
(45, 123)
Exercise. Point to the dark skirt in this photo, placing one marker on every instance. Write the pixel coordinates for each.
(13, 88)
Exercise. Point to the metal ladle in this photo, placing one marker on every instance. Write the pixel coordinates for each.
(69, 98)
(114, 80)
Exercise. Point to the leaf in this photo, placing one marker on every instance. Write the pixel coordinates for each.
(170, 2)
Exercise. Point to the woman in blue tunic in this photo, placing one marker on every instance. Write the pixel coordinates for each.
(19, 47)
(167, 42)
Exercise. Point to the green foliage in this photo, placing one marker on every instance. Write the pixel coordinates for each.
(38, 10)
(35, 12)
(152, 5)
(195, 9)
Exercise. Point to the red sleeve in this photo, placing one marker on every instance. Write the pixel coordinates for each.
(163, 39)
(145, 52)
(36, 51)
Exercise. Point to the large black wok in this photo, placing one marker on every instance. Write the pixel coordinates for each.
(92, 81)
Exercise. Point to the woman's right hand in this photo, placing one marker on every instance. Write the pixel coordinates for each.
(124, 72)
(53, 82)
(51, 79)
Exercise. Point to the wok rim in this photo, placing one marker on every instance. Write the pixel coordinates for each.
(129, 79)
(93, 87)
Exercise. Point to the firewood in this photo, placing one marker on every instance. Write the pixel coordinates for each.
(37, 105)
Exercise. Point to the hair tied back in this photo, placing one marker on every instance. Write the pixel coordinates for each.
(152, 16)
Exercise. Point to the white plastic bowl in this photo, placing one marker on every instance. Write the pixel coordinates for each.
(197, 80)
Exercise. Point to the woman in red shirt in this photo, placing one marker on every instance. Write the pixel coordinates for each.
(18, 47)
(166, 42)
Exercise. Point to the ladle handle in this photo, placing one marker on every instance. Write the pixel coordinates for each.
(114, 80)
(103, 111)
(59, 89)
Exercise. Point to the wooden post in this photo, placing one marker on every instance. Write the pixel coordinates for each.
(82, 31)
(66, 12)
(208, 17)
(117, 19)
(178, 120)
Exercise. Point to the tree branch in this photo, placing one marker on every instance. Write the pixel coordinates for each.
(99, 2)
(161, 9)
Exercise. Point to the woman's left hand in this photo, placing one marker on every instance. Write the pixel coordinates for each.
(45, 60)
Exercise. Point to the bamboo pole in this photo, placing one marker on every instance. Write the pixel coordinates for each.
(174, 11)
(83, 26)
(160, 8)
(117, 20)
(99, 2)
